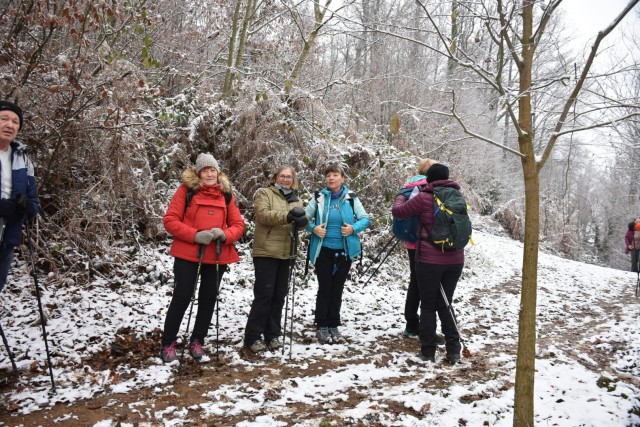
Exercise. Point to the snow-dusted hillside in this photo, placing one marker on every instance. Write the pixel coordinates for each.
(104, 340)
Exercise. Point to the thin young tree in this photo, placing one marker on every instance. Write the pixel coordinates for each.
(319, 12)
(228, 78)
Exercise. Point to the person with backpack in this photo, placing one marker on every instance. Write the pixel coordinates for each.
(336, 217)
(278, 213)
(438, 265)
(632, 244)
(202, 217)
(406, 230)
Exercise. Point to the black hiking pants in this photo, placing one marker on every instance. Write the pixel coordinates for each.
(430, 277)
(634, 259)
(412, 302)
(185, 273)
(332, 268)
(269, 293)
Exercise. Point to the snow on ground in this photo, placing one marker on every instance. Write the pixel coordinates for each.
(587, 367)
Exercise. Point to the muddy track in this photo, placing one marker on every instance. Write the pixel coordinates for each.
(567, 330)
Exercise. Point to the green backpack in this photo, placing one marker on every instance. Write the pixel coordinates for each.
(451, 224)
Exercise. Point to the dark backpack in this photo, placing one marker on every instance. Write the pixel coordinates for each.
(451, 224)
(407, 229)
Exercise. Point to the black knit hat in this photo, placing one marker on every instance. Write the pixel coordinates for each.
(6, 105)
(437, 172)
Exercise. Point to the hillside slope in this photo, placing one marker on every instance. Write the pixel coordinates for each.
(105, 334)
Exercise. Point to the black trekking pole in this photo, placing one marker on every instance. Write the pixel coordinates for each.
(636, 265)
(381, 262)
(292, 280)
(6, 344)
(218, 252)
(42, 319)
(308, 260)
(384, 248)
(465, 350)
(293, 252)
(193, 297)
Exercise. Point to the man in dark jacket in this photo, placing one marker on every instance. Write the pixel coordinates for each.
(18, 192)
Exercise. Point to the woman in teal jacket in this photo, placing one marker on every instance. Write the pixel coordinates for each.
(336, 216)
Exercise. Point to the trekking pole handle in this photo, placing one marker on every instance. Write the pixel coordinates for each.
(201, 252)
(218, 248)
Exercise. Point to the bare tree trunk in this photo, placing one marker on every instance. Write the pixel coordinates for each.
(319, 12)
(228, 77)
(454, 38)
(248, 15)
(525, 365)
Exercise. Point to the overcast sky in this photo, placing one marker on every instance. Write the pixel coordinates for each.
(588, 17)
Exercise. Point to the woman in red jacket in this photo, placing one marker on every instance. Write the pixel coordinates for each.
(201, 213)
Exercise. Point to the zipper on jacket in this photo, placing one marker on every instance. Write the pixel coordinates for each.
(345, 247)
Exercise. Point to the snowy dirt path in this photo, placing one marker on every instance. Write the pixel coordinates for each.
(107, 331)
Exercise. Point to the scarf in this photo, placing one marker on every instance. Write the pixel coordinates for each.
(338, 194)
(289, 194)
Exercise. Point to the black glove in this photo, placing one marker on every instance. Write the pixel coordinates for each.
(8, 209)
(25, 207)
(301, 221)
(22, 202)
(294, 213)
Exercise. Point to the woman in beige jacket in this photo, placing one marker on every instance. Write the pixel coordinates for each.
(277, 209)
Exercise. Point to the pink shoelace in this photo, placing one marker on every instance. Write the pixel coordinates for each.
(170, 351)
(196, 349)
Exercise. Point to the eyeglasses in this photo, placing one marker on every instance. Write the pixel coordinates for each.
(285, 177)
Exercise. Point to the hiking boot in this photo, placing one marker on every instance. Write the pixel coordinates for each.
(195, 350)
(336, 335)
(323, 334)
(440, 339)
(258, 346)
(453, 358)
(424, 358)
(408, 334)
(168, 353)
(275, 344)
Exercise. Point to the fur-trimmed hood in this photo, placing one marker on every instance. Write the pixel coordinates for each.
(191, 179)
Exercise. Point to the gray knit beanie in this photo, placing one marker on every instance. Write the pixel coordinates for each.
(206, 160)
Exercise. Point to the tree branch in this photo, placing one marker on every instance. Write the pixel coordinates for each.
(466, 130)
(504, 24)
(546, 16)
(583, 76)
(596, 125)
